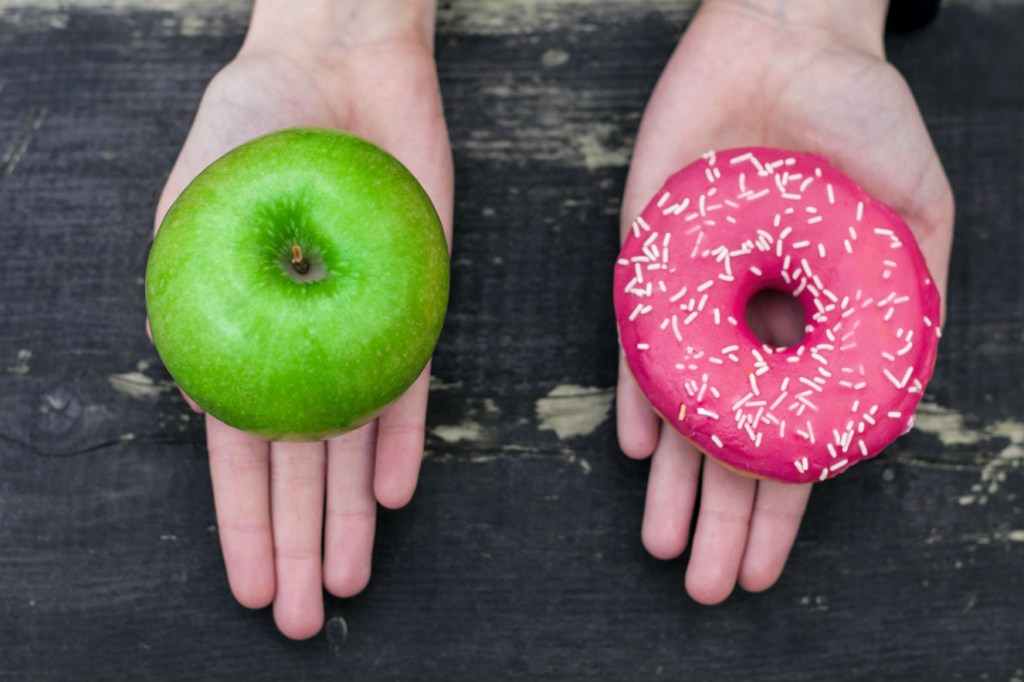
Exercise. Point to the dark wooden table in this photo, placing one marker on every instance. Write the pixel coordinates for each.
(520, 556)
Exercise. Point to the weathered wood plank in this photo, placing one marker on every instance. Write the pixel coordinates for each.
(520, 556)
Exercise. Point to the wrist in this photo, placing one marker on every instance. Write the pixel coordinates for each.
(312, 25)
(855, 22)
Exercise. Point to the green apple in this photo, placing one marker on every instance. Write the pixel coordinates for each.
(298, 285)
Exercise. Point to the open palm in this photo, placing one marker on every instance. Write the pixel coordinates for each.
(743, 77)
(281, 543)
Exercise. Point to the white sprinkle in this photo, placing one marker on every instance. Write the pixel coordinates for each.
(643, 346)
(801, 244)
(742, 401)
(690, 318)
(814, 220)
(838, 465)
(716, 440)
(853, 233)
(816, 387)
(831, 194)
(753, 384)
(675, 328)
(756, 270)
(643, 223)
(860, 210)
(758, 195)
(706, 285)
(831, 450)
(889, 375)
(636, 311)
(888, 356)
(663, 199)
(895, 414)
(863, 447)
(718, 316)
(707, 413)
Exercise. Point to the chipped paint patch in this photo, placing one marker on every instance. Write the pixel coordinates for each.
(597, 152)
(137, 385)
(438, 384)
(945, 423)
(1003, 535)
(453, 433)
(552, 58)
(951, 429)
(572, 411)
(21, 364)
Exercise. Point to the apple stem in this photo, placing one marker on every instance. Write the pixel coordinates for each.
(298, 262)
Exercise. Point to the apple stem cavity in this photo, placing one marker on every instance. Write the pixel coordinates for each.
(299, 263)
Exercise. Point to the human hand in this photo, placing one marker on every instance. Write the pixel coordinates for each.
(808, 75)
(366, 67)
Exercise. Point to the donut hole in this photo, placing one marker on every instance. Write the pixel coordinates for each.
(776, 318)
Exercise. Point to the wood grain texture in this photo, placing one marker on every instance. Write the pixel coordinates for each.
(520, 555)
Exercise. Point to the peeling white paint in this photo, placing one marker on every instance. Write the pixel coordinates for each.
(571, 410)
(137, 385)
(453, 433)
(21, 364)
(597, 153)
(438, 384)
(950, 428)
(552, 58)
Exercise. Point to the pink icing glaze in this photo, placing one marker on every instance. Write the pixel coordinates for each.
(743, 220)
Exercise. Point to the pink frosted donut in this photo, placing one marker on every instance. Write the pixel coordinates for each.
(740, 221)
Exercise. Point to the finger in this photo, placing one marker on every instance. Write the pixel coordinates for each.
(722, 526)
(297, 501)
(400, 445)
(638, 425)
(778, 509)
(240, 472)
(193, 405)
(351, 511)
(671, 494)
